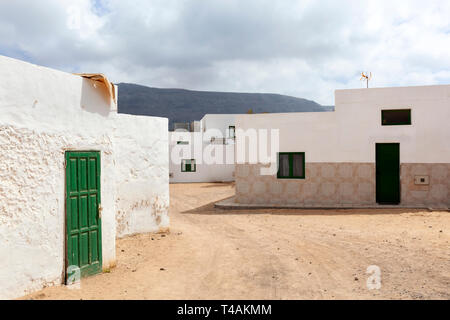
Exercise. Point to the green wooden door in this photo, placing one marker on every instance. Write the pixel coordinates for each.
(83, 221)
(388, 173)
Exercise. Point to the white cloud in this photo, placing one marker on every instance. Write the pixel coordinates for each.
(302, 48)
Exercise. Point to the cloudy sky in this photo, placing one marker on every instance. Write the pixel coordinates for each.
(304, 48)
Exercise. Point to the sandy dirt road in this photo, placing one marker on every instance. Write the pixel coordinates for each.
(275, 254)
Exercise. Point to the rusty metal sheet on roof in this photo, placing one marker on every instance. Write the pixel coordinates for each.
(101, 78)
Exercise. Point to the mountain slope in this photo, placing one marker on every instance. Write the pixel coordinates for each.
(181, 105)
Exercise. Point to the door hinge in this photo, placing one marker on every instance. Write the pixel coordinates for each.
(100, 209)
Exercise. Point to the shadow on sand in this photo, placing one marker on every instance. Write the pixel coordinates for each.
(219, 184)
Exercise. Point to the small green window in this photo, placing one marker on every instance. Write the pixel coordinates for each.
(182, 142)
(188, 165)
(291, 165)
(401, 117)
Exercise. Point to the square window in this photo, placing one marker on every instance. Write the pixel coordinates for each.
(396, 117)
(188, 165)
(291, 165)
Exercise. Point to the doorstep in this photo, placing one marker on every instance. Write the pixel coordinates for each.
(230, 204)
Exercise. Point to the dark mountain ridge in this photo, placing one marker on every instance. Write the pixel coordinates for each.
(181, 105)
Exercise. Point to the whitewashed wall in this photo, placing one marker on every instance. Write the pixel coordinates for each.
(340, 150)
(44, 113)
(142, 190)
(205, 171)
(219, 122)
(350, 132)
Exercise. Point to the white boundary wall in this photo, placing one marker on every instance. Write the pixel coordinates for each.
(44, 113)
(219, 122)
(142, 174)
(217, 171)
(212, 125)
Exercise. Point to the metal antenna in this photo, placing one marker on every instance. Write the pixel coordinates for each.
(366, 77)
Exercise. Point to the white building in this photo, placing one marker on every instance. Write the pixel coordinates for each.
(379, 146)
(74, 175)
(206, 155)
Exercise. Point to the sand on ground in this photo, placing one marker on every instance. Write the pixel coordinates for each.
(211, 253)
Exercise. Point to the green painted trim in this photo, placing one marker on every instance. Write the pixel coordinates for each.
(408, 122)
(392, 183)
(192, 166)
(291, 166)
(183, 142)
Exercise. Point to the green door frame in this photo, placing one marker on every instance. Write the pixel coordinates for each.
(83, 214)
(387, 165)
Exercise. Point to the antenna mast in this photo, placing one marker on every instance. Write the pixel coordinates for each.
(366, 76)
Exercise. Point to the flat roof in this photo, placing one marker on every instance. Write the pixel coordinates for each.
(399, 87)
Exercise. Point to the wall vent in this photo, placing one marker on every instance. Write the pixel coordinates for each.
(422, 180)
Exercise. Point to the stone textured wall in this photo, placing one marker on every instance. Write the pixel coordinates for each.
(325, 184)
(341, 184)
(437, 193)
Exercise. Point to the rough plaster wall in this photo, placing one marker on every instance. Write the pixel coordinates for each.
(44, 113)
(142, 189)
(32, 207)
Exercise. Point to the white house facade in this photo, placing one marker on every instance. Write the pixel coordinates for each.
(384, 146)
(205, 155)
(74, 175)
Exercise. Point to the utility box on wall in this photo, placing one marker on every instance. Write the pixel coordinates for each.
(422, 180)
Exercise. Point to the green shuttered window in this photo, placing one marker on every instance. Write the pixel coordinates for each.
(291, 165)
(188, 165)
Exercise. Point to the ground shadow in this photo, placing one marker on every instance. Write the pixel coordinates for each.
(219, 184)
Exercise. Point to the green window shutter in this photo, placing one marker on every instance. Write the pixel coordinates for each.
(188, 165)
(284, 166)
(291, 165)
(298, 165)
